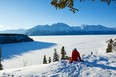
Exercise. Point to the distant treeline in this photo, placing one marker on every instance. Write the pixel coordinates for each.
(14, 38)
(73, 33)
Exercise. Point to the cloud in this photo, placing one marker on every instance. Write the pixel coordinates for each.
(3, 27)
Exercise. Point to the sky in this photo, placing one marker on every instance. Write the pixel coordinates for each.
(15, 14)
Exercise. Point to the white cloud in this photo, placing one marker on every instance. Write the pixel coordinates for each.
(3, 27)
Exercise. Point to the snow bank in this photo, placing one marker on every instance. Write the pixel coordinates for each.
(94, 66)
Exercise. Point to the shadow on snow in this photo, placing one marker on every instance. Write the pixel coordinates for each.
(102, 66)
(8, 50)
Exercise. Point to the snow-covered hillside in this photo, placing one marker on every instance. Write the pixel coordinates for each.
(30, 54)
(93, 66)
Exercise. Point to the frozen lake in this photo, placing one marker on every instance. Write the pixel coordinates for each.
(84, 43)
(33, 52)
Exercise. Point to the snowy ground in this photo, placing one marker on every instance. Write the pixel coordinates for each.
(94, 66)
(30, 54)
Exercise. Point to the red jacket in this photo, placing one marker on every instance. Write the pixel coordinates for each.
(75, 56)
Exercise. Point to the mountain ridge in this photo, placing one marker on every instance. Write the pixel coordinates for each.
(64, 29)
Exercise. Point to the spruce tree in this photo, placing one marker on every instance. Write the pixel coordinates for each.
(55, 56)
(109, 46)
(63, 53)
(44, 60)
(49, 60)
(1, 66)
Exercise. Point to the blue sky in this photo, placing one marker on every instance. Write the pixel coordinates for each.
(16, 14)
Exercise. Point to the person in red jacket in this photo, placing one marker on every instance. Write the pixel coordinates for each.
(75, 56)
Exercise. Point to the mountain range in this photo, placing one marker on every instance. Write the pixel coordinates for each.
(63, 29)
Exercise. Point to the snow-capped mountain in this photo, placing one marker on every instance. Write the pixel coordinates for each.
(64, 29)
(95, 28)
(53, 29)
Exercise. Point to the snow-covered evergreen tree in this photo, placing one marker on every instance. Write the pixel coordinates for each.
(1, 66)
(44, 60)
(110, 46)
(49, 60)
(63, 53)
(55, 56)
